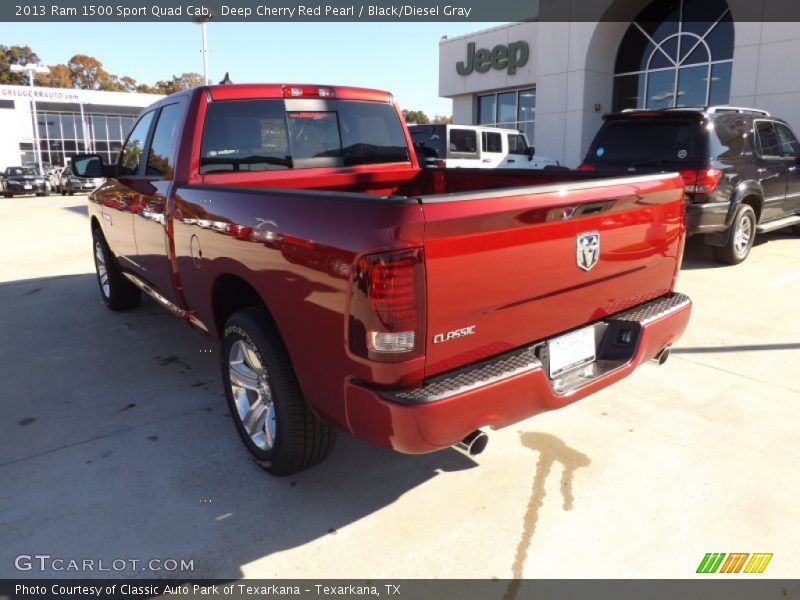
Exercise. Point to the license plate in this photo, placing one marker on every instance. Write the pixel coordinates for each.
(28, 187)
(571, 350)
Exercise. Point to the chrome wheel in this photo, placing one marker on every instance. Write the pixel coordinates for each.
(252, 394)
(102, 271)
(743, 235)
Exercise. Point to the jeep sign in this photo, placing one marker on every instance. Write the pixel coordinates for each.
(501, 57)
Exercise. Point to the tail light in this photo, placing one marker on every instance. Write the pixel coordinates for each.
(585, 167)
(387, 308)
(307, 91)
(700, 181)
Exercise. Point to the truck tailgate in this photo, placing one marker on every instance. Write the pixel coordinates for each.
(510, 267)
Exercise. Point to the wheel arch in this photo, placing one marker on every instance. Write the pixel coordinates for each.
(231, 293)
(750, 193)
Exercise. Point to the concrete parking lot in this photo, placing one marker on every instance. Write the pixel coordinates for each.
(115, 443)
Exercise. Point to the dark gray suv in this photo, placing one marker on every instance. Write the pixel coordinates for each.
(740, 166)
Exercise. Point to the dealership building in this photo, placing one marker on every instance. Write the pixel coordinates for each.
(554, 79)
(68, 121)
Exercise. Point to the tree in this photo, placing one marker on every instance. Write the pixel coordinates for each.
(128, 83)
(416, 116)
(179, 82)
(15, 55)
(442, 119)
(59, 77)
(87, 73)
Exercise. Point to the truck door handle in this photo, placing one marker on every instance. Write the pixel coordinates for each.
(511, 160)
(486, 160)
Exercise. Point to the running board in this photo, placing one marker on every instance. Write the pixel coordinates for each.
(176, 310)
(778, 224)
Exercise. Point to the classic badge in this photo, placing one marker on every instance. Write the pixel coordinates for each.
(588, 249)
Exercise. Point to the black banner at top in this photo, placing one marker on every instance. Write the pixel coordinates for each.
(355, 10)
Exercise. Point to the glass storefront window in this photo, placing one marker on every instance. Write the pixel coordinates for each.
(61, 135)
(507, 107)
(509, 110)
(99, 129)
(666, 55)
(487, 108)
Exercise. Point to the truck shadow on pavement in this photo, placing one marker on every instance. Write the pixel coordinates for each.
(119, 444)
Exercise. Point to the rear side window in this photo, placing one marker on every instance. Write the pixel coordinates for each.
(728, 137)
(648, 143)
(492, 142)
(429, 141)
(517, 144)
(789, 145)
(161, 160)
(463, 141)
(768, 142)
(257, 135)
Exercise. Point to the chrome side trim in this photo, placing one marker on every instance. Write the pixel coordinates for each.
(170, 306)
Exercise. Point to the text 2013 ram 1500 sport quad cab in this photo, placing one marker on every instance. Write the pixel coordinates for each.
(353, 290)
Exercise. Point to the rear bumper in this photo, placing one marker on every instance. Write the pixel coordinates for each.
(510, 387)
(708, 217)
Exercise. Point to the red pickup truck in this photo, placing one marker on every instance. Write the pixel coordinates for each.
(352, 289)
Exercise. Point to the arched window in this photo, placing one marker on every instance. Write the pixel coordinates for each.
(676, 53)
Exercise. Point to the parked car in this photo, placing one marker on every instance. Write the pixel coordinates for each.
(352, 289)
(739, 166)
(23, 180)
(69, 183)
(475, 147)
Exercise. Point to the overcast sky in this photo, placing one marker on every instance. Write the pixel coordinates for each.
(402, 58)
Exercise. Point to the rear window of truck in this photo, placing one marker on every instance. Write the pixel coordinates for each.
(647, 142)
(259, 135)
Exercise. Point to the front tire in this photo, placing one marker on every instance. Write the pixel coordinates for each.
(740, 239)
(265, 400)
(116, 291)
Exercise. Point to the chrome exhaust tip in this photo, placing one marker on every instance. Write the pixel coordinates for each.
(473, 444)
(661, 357)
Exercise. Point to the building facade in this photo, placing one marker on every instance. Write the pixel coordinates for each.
(555, 79)
(68, 122)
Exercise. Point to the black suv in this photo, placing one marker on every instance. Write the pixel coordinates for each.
(739, 166)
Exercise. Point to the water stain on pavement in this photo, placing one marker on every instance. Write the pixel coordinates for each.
(27, 421)
(551, 450)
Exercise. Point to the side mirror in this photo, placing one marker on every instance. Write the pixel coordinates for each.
(531, 152)
(91, 166)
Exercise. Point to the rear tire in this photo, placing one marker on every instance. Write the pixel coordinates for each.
(116, 291)
(740, 238)
(266, 403)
